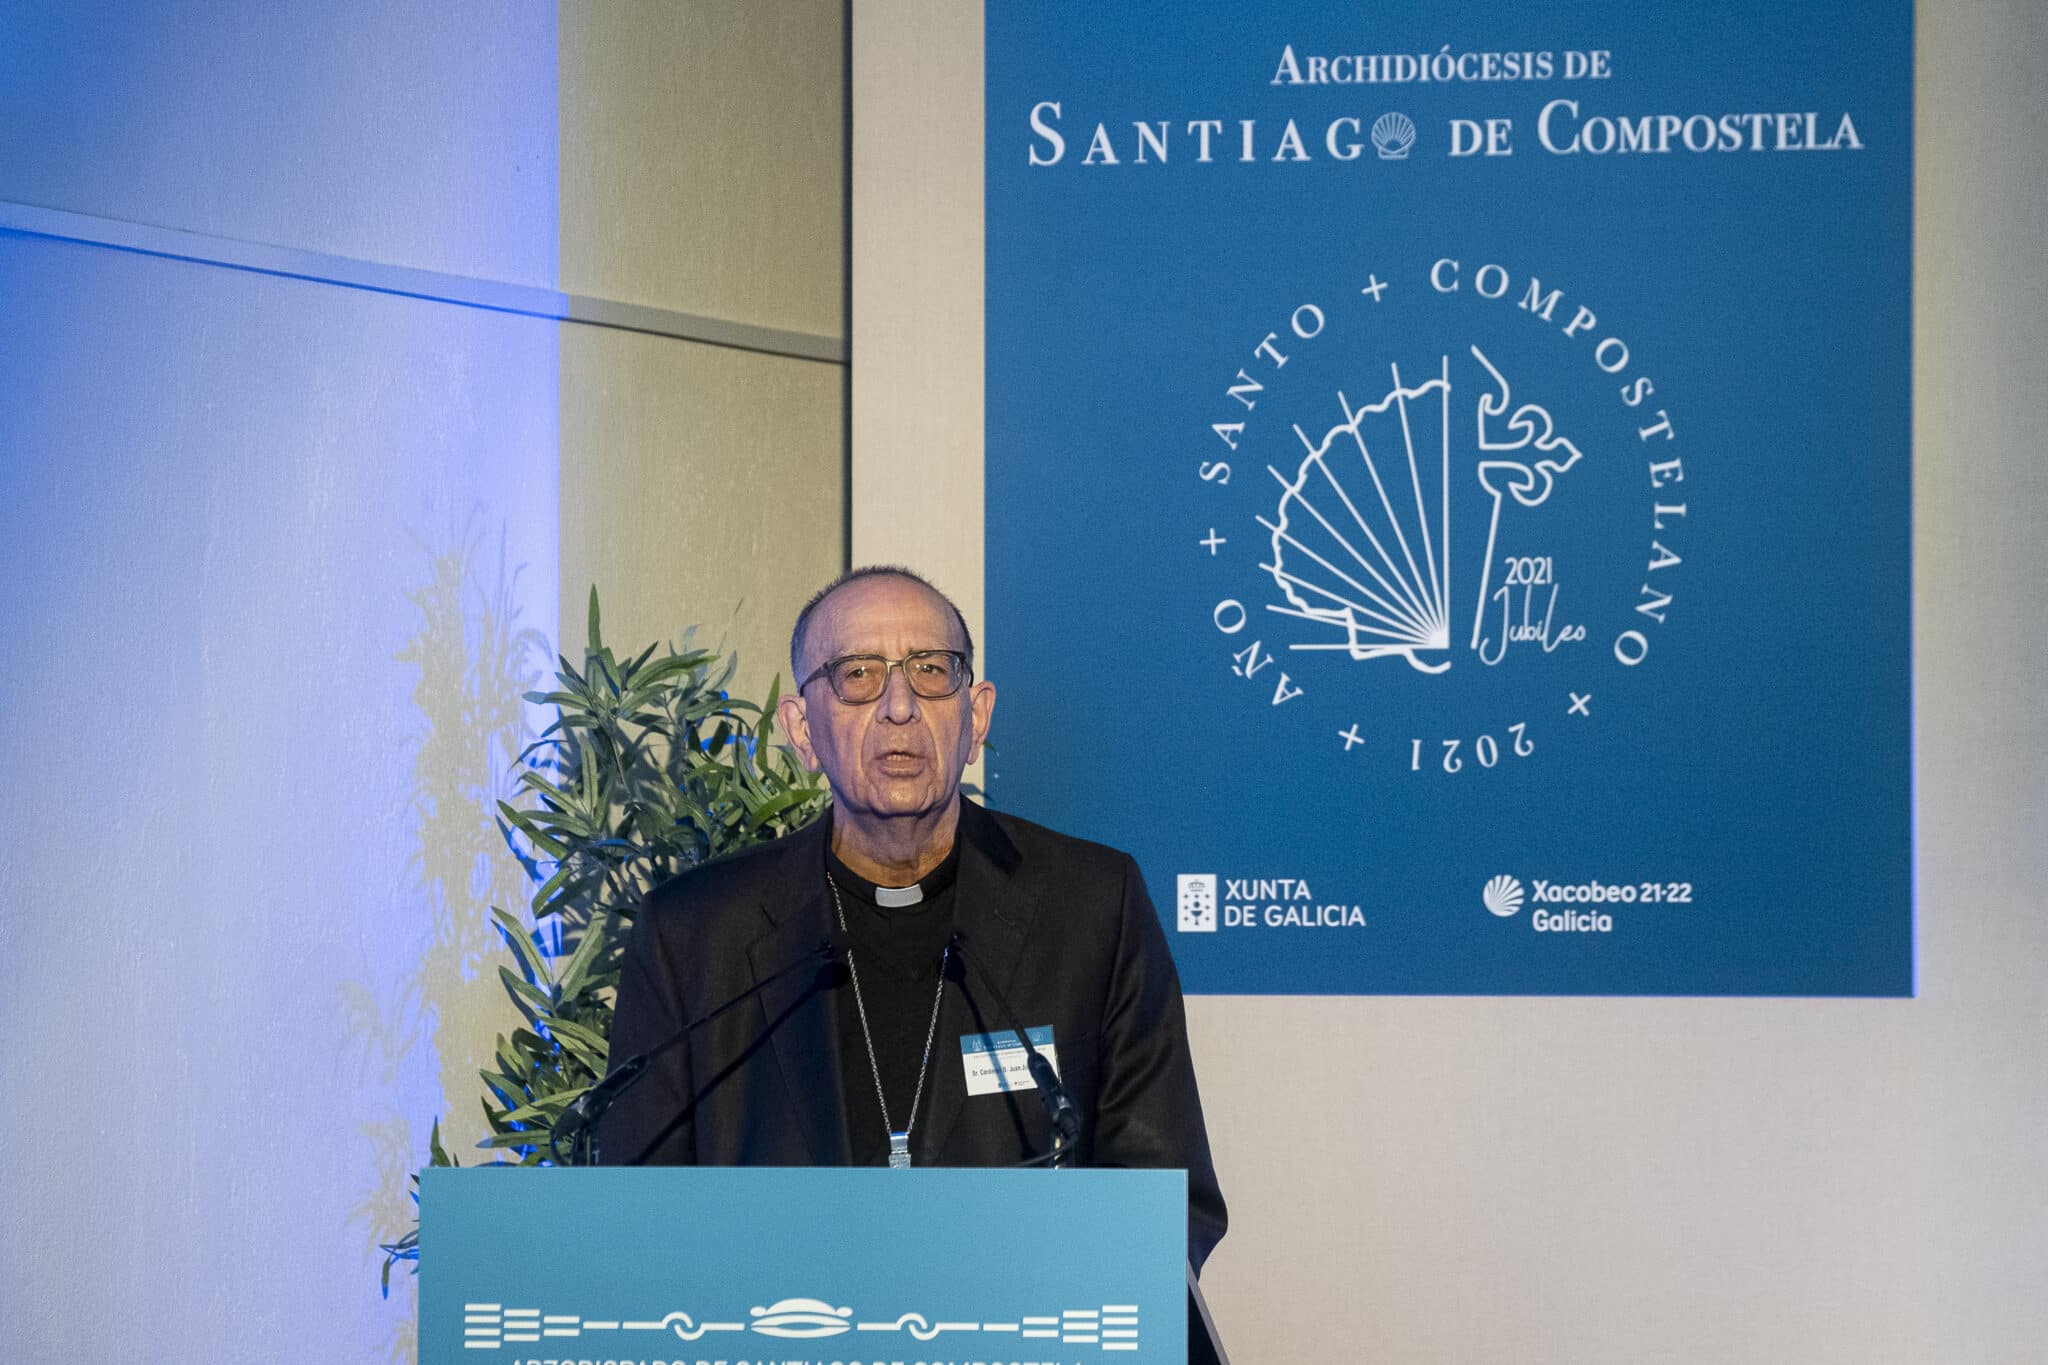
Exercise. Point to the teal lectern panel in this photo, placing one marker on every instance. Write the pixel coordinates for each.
(801, 1267)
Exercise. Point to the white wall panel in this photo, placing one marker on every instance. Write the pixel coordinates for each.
(283, 553)
(384, 130)
(263, 539)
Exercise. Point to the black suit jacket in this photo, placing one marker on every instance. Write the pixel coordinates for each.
(1063, 927)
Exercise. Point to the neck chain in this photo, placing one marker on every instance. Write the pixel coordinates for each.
(899, 1141)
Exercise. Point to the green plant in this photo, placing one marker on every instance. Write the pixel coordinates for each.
(649, 767)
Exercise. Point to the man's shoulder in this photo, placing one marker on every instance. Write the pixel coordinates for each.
(1034, 854)
(1041, 851)
(1090, 899)
(734, 881)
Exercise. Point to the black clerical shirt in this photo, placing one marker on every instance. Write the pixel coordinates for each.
(897, 951)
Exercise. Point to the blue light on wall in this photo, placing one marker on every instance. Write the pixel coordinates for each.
(278, 453)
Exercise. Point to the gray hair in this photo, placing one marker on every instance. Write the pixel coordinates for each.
(803, 618)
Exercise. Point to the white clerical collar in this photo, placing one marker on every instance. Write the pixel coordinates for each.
(930, 886)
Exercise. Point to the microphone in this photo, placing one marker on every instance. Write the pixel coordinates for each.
(580, 1118)
(1060, 1109)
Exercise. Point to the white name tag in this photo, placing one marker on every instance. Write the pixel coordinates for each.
(996, 1062)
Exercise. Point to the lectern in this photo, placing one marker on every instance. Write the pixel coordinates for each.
(647, 1266)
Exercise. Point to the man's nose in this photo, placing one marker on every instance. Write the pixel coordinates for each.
(898, 703)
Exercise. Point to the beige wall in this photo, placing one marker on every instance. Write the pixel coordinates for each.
(702, 173)
(703, 157)
(917, 291)
(1616, 1180)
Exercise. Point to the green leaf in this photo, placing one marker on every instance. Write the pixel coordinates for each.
(521, 944)
(569, 1031)
(439, 1155)
(525, 1139)
(542, 1115)
(596, 940)
(531, 1000)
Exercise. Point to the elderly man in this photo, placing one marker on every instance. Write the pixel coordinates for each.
(946, 912)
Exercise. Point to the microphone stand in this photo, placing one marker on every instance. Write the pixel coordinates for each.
(1060, 1110)
(578, 1123)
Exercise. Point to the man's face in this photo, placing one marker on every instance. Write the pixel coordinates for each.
(900, 755)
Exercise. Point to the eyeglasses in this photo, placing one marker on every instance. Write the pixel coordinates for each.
(858, 679)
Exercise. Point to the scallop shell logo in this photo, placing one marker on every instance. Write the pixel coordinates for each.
(1380, 580)
(1503, 895)
(1362, 532)
(1393, 135)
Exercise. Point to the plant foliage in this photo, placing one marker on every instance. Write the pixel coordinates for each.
(651, 766)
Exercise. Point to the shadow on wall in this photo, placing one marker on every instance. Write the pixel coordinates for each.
(432, 1031)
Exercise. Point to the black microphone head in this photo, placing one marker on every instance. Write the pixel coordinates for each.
(832, 972)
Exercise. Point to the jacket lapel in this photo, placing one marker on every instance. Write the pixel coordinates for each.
(798, 1019)
(994, 921)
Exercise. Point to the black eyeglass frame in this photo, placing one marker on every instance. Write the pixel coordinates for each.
(964, 671)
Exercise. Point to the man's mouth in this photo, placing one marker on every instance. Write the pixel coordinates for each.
(899, 761)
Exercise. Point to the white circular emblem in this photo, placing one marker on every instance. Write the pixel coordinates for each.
(1460, 470)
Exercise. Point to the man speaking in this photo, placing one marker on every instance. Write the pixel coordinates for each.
(953, 924)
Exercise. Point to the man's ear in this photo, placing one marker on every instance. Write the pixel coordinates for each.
(789, 712)
(982, 704)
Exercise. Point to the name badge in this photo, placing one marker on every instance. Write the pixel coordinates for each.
(996, 1063)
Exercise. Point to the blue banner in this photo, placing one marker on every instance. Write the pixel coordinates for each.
(1448, 486)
